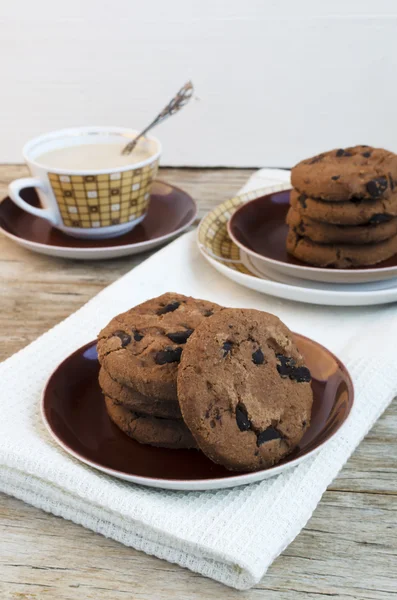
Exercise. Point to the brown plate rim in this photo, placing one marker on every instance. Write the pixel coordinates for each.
(90, 250)
(197, 484)
(242, 246)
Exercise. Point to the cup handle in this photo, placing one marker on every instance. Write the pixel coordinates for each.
(19, 184)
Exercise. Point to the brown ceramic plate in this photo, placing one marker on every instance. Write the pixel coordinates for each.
(171, 210)
(258, 227)
(74, 413)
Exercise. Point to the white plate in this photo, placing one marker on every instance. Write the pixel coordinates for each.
(309, 295)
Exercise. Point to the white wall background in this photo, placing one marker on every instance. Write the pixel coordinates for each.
(276, 80)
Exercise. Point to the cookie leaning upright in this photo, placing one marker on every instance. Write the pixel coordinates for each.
(142, 347)
(345, 173)
(243, 389)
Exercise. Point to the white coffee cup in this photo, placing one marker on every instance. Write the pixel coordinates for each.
(88, 203)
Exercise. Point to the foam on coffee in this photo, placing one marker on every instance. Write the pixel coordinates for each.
(96, 156)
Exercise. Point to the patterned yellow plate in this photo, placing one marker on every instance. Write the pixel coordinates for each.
(213, 238)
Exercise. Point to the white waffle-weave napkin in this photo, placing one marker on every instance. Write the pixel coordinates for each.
(231, 535)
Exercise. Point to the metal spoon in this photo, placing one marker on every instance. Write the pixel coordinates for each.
(178, 102)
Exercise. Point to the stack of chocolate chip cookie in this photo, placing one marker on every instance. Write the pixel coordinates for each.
(178, 372)
(139, 352)
(344, 208)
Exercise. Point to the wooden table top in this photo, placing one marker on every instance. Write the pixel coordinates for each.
(348, 550)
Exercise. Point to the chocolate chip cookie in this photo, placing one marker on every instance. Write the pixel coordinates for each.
(344, 173)
(142, 347)
(378, 230)
(174, 307)
(244, 389)
(133, 400)
(341, 256)
(165, 433)
(357, 212)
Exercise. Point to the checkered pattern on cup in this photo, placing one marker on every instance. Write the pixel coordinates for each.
(103, 200)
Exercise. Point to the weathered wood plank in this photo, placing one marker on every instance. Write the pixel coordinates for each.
(347, 550)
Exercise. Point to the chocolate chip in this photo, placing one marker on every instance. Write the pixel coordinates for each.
(301, 375)
(137, 336)
(243, 422)
(335, 177)
(364, 146)
(366, 154)
(342, 152)
(302, 228)
(124, 338)
(286, 361)
(212, 424)
(302, 200)
(227, 347)
(356, 200)
(168, 308)
(379, 218)
(316, 159)
(208, 313)
(169, 355)
(391, 182)
(376, 187)
(304, 423)
(287, 368)
(180, 337)
(258, 357)
(267, 435)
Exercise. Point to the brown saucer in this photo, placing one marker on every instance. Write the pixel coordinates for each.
(259, 228)
(171, 210)
(74, 412)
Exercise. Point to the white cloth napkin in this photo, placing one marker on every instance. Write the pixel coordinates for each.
(230, 535)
